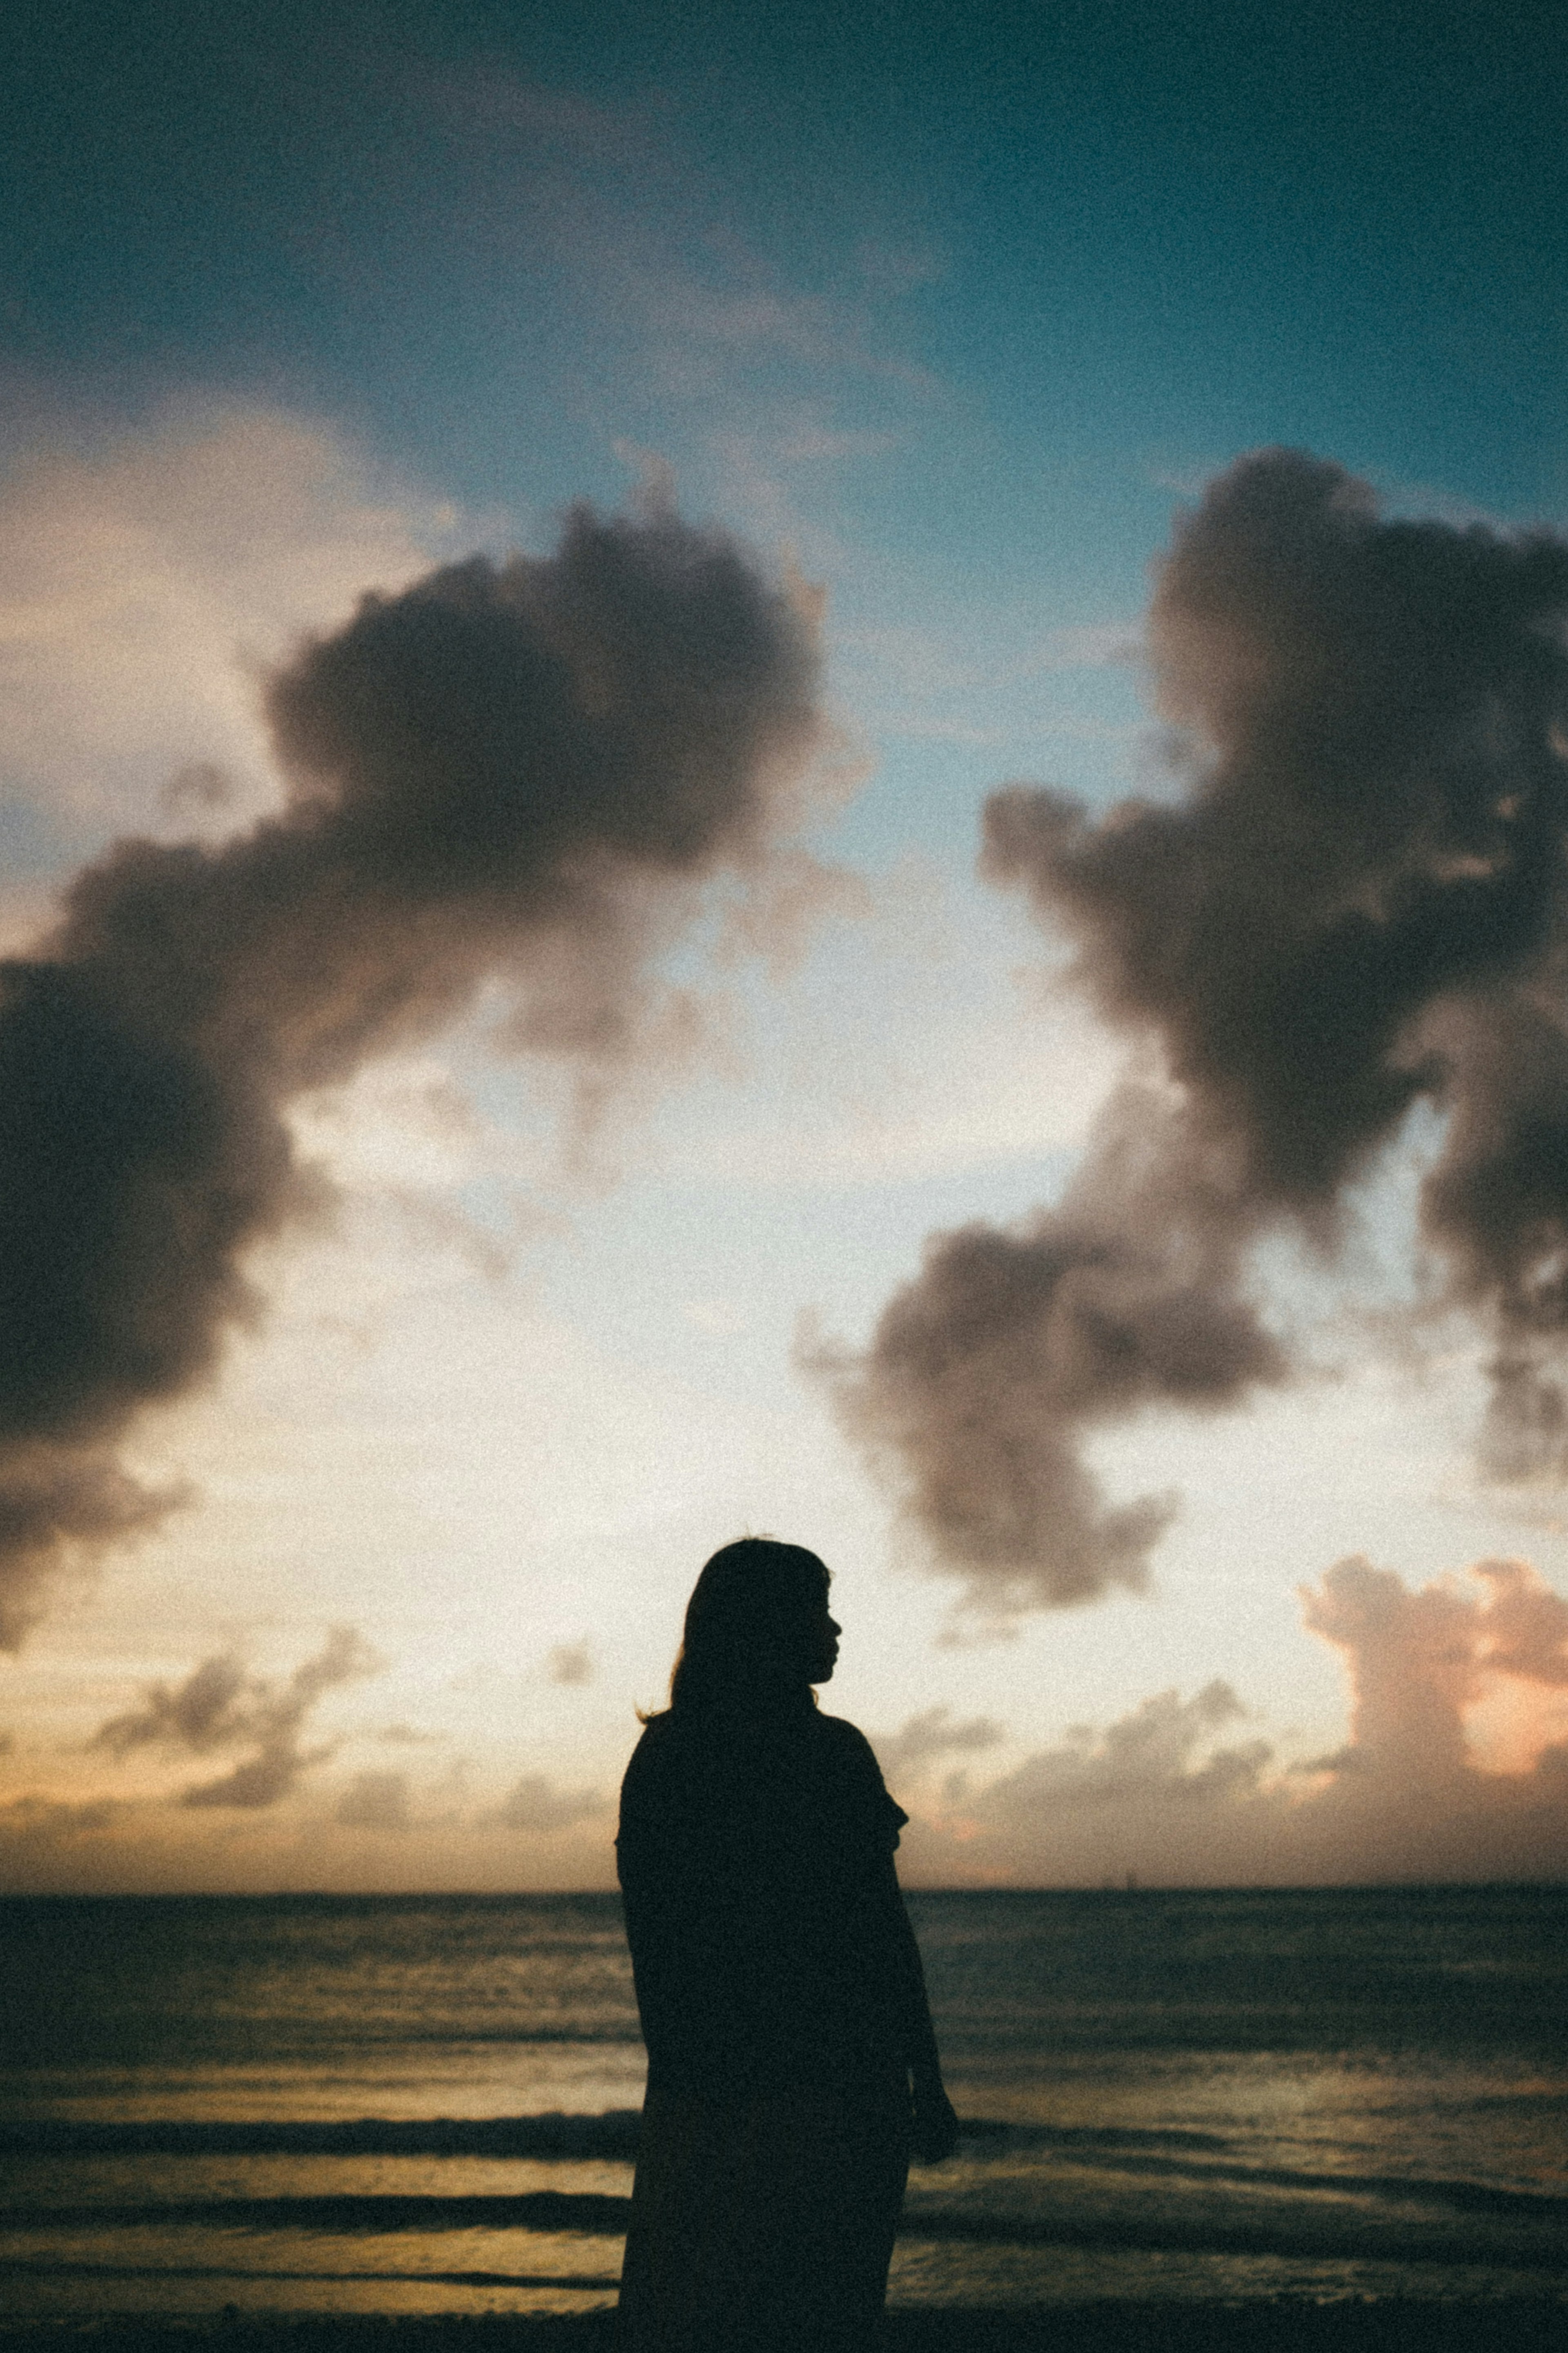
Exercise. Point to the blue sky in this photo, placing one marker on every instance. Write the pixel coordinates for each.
(957, 301)
(952, 309)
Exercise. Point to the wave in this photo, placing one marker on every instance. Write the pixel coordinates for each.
(349, 2214)
(612, 2133)
(1298, 2232)
(591, 2282)
(1298, 2237)
(1126, 2151)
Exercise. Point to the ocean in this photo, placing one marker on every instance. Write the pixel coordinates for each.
(428, 2104)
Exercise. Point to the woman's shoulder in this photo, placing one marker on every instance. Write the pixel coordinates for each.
(843, 1734)
(671, 1744)
(655, 1752)
(665, 1789)
(850, 1750)
(848, 1739)
(857, 1761)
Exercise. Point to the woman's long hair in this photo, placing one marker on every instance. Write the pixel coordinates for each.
(743, 1621)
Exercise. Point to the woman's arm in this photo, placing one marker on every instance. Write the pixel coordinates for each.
(935, 2127)
(643, 1866)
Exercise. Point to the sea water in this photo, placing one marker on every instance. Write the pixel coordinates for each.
(429, 2105)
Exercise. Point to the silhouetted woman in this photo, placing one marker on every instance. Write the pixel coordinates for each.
(780, 1987)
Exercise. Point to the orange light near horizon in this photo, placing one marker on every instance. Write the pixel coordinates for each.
(1513, 1724)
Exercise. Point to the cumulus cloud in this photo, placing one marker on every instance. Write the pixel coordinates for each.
(220, 1706)
(1360, 898)
(986, 1372)
(928, 1739)
(1148, 1755)
(1155, 1782)
(522, 774)
(1421, 1662)
(1169, 1794)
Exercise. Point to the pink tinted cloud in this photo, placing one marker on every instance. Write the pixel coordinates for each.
(1177, 1792)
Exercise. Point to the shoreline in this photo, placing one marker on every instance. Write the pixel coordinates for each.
(1267, 2324)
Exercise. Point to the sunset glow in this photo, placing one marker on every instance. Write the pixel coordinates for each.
(846, 753)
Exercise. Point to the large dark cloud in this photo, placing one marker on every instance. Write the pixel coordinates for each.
(1360, 898)
(987, 1371)
(520, 772)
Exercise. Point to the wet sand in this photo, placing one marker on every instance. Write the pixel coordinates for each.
(1511, 2324)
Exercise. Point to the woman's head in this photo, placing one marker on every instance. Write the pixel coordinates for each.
(757, 1628)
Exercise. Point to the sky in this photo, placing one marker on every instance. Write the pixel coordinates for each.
(794, 771)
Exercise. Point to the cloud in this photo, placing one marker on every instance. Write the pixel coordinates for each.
(277, 1721)
(1421, 1662)
(32, 1827)
(142, 584)
(1455, 1767)
(572, 1664)
(1359, 900)
(986, 1373)
(519, 774)
(336, 1835)
(220, 1706)
(1149, 1757)
(1457, 1763)
(1419, 1791)
(910, 1754)
(211, 1709)
(375, 1801)
(604, 196)
(534, 1804)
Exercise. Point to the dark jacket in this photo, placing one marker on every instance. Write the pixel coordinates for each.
(769, 1940)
